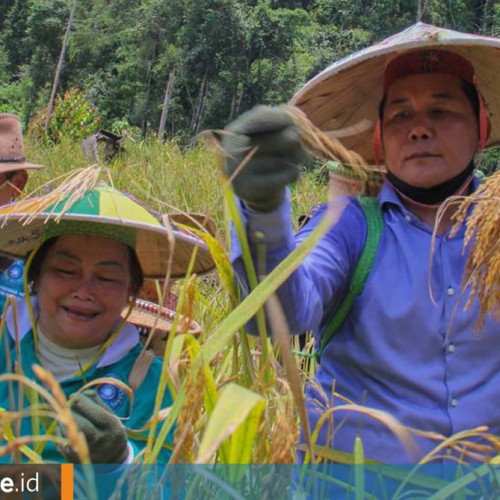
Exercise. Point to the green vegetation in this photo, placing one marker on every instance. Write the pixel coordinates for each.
(237, 398)
(220, 57)
(223, 56)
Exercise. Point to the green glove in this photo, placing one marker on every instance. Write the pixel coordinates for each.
(262, 180)
(105, 435)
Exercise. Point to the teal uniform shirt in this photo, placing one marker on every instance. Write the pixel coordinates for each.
(116, 362)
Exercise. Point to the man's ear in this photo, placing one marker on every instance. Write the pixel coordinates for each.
(19, 180)
(488, 128)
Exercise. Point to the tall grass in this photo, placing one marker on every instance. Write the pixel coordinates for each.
(237, 398)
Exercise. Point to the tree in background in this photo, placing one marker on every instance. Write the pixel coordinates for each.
(198, 63)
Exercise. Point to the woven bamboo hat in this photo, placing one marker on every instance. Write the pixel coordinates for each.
(104, 211)
(12, 145)
(343, 99)
(147, 315)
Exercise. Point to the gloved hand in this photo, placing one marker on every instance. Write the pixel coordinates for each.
(275, 164)
(105, 435)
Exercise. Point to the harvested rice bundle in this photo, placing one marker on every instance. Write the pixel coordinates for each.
(349, 173)
(482, 234)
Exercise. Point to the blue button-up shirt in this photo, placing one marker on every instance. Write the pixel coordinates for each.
(407, 346)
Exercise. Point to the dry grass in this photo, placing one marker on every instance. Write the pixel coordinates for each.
(482, 238)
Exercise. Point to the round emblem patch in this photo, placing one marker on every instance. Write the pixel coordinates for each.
(112, 395)
(11, 280)
(15, 271)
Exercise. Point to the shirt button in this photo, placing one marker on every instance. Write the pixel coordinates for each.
(408, 218)
(450, 291)
(451, 348)
(453, 402)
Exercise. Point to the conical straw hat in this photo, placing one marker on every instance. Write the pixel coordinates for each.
(102, 210)
(343, 99)
(146, 315)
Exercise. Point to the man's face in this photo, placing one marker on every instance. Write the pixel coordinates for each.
(430, 133)
(11, 185)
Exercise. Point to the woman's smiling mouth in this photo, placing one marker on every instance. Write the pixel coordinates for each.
(80, 314)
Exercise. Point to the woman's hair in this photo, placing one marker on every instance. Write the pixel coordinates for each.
(136, 274)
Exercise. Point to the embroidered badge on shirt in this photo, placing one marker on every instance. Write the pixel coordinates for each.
(11, 280)
(112, 395)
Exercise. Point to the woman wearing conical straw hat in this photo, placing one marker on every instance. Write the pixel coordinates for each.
(422, 103)
(88, 249)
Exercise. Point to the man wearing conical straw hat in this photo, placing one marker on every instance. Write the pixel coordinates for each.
(13, 178)
(88, 248)
(422, 103)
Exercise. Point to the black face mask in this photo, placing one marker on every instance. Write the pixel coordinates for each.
(435, 194)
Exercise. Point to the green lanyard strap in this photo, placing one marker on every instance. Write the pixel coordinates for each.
(373, 215)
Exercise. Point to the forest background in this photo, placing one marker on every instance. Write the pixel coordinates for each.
(200, 62)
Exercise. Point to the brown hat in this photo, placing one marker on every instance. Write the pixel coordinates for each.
(12, 145)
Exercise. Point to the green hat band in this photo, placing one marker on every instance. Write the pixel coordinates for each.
(123, 234)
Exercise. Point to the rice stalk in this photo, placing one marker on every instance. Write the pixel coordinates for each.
(459, 440)
(319, 144)
(359, 470)
(165, 379)
(246, 309)
(172, 173)
(18, 444)
(72, 189)
(252, 282)
(281, 335)
(184, 435)
(283, 432)
(211, 392)
(458, 443)
(481, 214)
(188, 304)
(235, 405)
(167, 424)
(399, 431)
(458, 485)
(10, 306)
(75, 437)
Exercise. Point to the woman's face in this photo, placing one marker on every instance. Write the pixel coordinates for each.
(83, 285)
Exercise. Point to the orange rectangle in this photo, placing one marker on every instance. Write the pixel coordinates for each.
(66, 481)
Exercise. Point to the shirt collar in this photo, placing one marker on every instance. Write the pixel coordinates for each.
(125, 341)
(388, 194)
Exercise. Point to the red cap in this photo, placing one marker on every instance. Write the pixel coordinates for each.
(432, 61)
(428, 61)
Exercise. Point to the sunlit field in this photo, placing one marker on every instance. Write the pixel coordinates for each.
(238, 399)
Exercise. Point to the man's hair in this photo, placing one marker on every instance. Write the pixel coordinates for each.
(136, 274)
